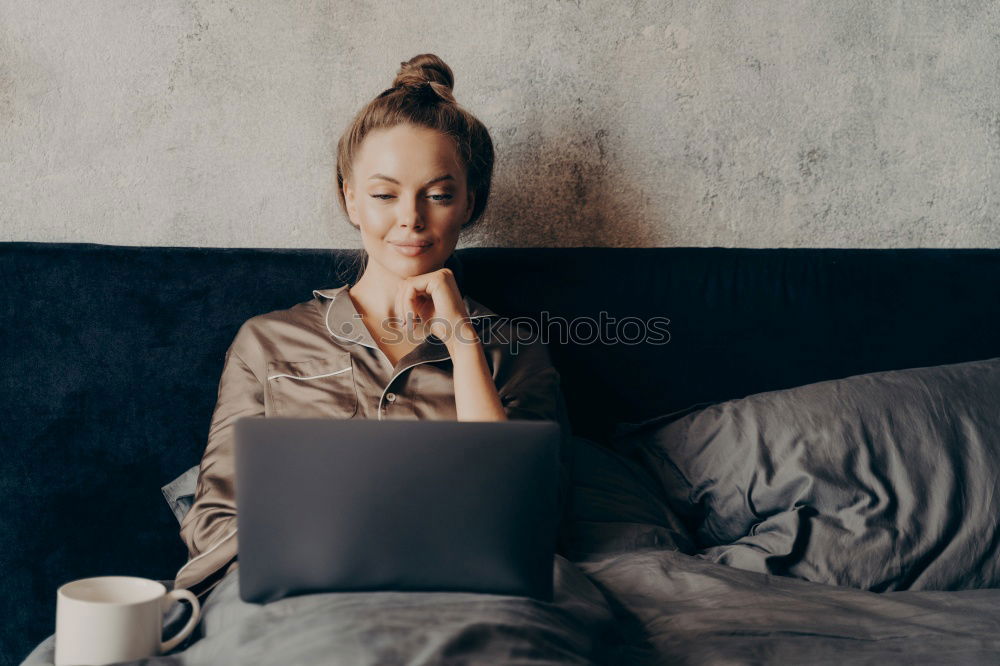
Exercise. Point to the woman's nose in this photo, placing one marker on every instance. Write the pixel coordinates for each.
(412, 218)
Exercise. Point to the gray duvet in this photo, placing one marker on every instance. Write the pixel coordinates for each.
(679, 609)
(670, 608)
(634, 588)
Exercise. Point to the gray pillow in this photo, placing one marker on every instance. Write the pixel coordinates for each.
(179, 493)
(882, 481)
(617, 507)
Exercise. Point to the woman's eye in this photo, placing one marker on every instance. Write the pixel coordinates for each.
(443, 197)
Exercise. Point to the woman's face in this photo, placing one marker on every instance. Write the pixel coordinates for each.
(409, 198)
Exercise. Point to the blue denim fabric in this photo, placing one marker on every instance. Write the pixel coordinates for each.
(180, 492)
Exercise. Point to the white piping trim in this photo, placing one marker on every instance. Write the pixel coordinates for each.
(319, 292)
(396, 376)
(201, 555)
(326, 322)
(329, 374)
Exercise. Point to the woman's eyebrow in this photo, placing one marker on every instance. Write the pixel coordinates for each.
(445, 176)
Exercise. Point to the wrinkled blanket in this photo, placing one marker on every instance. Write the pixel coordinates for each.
(629, 594)
(670, 608)
(673, 608)
(360, 628)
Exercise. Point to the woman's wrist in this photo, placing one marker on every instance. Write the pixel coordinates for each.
(476, 397)
(463, 340)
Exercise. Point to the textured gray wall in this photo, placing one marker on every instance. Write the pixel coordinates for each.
(749, 124)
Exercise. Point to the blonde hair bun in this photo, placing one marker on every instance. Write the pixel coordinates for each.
(426, 71)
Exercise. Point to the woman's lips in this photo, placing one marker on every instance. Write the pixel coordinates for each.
(411, 250)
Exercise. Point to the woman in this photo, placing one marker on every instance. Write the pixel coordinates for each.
(401, 342)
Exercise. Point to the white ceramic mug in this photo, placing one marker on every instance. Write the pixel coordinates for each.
(115, 618)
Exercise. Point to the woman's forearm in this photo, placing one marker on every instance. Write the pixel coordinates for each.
(476, 397)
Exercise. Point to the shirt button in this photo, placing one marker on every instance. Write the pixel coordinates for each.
(391, 397)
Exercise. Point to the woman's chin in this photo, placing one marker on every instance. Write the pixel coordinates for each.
(411, 266)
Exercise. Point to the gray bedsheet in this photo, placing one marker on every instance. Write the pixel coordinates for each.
(674, 606)
(670, 608)
(630, 596)
(679, 609)
(364, 628)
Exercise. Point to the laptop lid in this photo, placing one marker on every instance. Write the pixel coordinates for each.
(351, 505)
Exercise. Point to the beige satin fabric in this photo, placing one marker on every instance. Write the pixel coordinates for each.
(317, 359)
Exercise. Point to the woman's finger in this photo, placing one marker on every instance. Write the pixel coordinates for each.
(401, 305)
(410, 296)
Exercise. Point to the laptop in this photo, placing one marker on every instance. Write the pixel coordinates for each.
(327, 505)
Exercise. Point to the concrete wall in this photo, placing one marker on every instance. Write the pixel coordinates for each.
(755, 124)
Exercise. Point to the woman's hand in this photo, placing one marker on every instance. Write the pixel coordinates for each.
(435, 300)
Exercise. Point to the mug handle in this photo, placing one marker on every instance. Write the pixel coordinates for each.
(167, 646)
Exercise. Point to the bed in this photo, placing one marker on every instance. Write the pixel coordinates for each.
(802, 470)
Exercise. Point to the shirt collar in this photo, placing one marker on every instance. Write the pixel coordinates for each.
(343, 321)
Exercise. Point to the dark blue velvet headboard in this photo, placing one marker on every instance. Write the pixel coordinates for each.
(111, 357)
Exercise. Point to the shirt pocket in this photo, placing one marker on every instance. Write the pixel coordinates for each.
(317, 388)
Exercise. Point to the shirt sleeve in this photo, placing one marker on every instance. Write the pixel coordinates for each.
(533, 390)
(209, 527)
